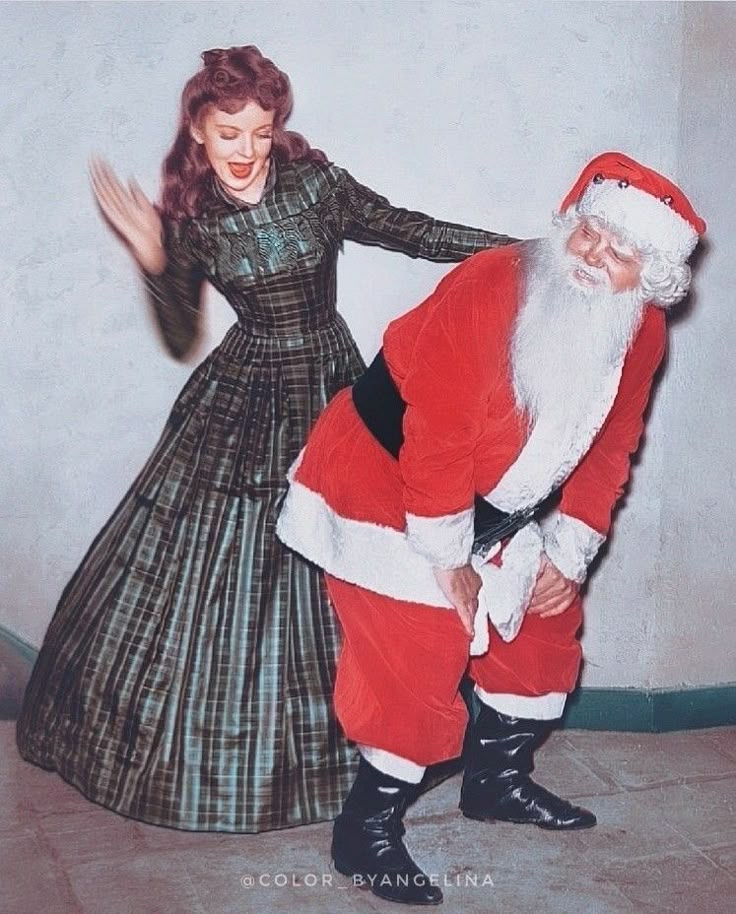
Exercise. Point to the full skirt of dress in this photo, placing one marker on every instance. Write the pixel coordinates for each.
(186, 677)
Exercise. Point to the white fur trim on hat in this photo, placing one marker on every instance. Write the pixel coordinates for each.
(645, 219)
(571, 545)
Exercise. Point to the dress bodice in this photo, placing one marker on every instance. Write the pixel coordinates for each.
(275, 261)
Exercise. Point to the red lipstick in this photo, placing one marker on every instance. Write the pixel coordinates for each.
(240, 169)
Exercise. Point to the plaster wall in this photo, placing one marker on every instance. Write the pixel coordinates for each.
(473, 111)
(695, 569)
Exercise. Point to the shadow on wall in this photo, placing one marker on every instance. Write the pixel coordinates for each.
(16, 662)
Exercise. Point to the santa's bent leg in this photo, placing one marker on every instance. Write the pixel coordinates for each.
(396, 695)
(522, 686)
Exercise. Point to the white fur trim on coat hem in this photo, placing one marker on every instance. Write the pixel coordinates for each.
(529, 707)
(372, 556)
(444, 541)
(394, 765)
(381, 559)
(571, 545)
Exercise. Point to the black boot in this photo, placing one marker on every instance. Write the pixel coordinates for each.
(497, 785)
(366, 839)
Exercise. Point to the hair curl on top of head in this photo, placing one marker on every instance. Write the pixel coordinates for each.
(229, 79)
(216, 60)
(664, 280)
(214, 56)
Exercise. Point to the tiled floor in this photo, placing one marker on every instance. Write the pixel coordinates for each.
(666, 842)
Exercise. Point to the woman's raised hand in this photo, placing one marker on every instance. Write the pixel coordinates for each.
(131, 214)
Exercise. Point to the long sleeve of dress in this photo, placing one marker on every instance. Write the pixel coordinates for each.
(176, 296)
(372, 220)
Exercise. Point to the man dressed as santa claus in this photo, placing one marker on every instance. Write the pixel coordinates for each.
(524, 377)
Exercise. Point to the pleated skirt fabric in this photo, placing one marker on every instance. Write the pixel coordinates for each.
(186, 677)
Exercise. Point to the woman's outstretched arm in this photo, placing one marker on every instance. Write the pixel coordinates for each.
(373, 220)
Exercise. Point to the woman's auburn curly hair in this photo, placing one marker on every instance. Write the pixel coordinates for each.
(229, 79)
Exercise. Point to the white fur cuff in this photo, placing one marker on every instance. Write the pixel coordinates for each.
(507, 589)
(571, 545)
(372, 556)
(534, 707)
(394, 765)
(444, 541)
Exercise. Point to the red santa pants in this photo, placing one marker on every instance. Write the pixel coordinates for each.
(401, 664)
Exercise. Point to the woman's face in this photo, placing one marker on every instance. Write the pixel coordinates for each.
(238, 147)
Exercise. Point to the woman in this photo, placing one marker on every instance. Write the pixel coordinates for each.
(186, 676)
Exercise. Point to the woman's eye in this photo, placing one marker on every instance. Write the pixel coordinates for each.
(228, 136)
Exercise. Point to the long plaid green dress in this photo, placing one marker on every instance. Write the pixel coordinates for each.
(186, 676)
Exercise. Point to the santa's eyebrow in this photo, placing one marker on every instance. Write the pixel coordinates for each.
(624, 250)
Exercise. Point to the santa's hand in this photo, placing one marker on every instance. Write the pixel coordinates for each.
(461, 587)
(553, 592)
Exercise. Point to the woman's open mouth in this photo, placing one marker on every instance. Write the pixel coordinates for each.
(240, 169)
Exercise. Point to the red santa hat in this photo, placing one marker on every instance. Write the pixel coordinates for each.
(646, 206)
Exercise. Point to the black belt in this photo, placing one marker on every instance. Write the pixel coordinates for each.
(379, 404)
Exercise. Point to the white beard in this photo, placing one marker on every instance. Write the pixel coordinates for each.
(567, 352)
(567, 336)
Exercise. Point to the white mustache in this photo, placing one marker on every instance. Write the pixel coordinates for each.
(597, 275)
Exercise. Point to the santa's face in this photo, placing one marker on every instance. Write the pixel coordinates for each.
(600, 259)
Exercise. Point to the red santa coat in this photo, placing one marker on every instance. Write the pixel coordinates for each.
(371, 520)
